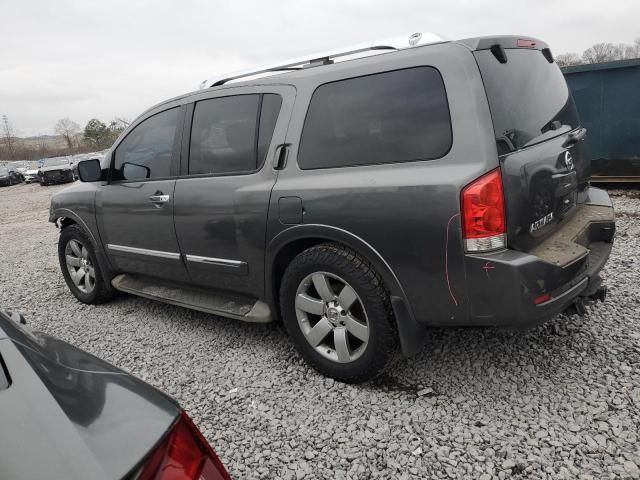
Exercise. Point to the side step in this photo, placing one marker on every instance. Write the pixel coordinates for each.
(225, 305)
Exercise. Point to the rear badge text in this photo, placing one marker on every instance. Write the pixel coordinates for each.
(538, 224)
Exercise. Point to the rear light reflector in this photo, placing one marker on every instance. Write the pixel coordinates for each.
(184, 455)
(545, 297)
(483, 214)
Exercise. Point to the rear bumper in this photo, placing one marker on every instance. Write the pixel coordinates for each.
(503, 286)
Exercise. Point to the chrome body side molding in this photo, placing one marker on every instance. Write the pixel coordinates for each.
(143, 251)
(215, 261)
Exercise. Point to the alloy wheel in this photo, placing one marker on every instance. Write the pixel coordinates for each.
(80, 266)
(332, 317)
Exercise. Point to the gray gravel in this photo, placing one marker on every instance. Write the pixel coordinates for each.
(559, 401)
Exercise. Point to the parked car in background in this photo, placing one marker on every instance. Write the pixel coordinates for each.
(69, 415)
(442, 183)
(31, 175)
(9, 176)
(56, 170)
(20, 167)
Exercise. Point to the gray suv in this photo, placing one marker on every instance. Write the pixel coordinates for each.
(360, 201)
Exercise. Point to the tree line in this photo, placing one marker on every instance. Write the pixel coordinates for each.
(601, 52)
(95, 136)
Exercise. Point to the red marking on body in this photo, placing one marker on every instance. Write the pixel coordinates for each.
(488, 266)
(446, 259)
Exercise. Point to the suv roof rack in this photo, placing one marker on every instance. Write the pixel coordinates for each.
(325, 58)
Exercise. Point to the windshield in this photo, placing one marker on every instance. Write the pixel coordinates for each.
(4, 171)
(528, 98)
(55, 161)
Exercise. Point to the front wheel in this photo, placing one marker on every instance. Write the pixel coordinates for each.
(338, 313)
(80, 268)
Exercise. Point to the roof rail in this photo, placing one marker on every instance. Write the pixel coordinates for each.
(325, 58)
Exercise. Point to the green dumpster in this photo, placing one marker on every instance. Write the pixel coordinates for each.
(607, 96)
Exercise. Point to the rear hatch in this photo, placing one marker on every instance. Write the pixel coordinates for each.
(543, 154)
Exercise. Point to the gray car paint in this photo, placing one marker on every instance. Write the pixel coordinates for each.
(68, 414)
(403, 217)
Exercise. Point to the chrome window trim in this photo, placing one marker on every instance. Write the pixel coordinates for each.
(143, 251)
(217, 261)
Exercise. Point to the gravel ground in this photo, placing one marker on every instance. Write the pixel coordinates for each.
(559, 401)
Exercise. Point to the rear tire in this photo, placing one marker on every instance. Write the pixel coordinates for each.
(80, 268)
(346, 330)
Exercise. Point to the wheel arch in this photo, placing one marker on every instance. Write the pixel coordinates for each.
(287, 244)
(64, 217)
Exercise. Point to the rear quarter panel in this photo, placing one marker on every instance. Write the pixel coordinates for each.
(407, 212)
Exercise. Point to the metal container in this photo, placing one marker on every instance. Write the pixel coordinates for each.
(607, 96)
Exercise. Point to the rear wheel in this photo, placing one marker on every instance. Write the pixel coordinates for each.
(80, 268)
(338, 313)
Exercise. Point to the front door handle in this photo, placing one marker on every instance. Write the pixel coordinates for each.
(159, 199)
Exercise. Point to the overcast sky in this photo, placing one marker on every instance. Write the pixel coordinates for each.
(83, 59)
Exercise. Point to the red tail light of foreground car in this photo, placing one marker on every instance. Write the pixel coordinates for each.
(184, 455)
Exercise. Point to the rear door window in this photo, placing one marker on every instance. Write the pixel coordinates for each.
(398, 116)
(232, 134)
(528, 98)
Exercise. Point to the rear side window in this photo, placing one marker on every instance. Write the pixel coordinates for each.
(147, 150)
(271, 104)
(398, 116)
(232, 134)
(528, 98)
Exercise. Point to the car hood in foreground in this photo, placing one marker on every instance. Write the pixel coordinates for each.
(67, 414)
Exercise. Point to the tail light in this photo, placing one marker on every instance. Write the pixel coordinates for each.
(183, 455)
(484, 224)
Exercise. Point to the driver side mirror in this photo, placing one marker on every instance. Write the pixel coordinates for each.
(89, 170)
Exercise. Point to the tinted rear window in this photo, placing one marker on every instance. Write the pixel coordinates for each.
(398, 116)
(528, 98)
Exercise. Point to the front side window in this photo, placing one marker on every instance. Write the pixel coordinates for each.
(398, 116)
(147, 150)
(232, 134)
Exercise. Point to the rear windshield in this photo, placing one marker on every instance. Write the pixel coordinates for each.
(528, 98)
(54, 162)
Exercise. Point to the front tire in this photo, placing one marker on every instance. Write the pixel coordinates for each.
(80, 268)
(336, 310)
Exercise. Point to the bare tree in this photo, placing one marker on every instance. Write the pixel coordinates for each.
(67, 129)
(601, 52)
(8, 136)
(633, 50)
(568, 59)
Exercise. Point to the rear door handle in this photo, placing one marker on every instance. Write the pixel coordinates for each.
(159, 199)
